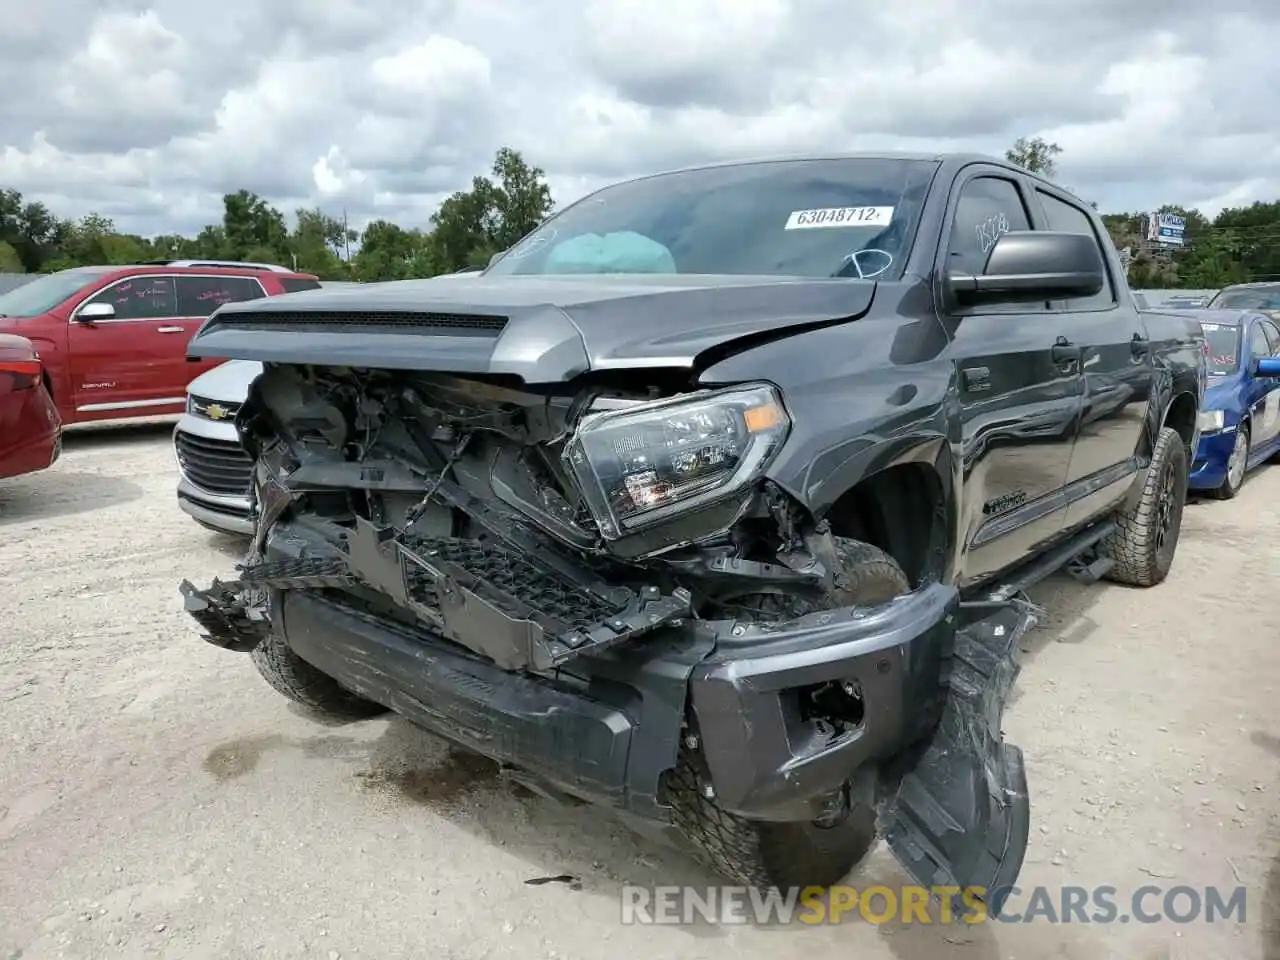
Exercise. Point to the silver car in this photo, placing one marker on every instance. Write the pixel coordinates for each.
(214, 471)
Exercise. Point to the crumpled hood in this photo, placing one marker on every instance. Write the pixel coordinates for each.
(542, 329)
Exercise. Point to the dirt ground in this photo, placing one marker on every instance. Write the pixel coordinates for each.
(158, 799)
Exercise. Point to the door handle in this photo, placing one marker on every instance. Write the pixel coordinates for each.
(1139, 346)
(1064, 352)
(170, 329)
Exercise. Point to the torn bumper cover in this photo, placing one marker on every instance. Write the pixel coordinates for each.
(519, 662)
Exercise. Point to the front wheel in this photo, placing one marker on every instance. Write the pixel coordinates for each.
(292, 677)
(1237, 463)
(786, 855)
(1146, 537)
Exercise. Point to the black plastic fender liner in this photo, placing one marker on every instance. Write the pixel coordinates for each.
(960, 816)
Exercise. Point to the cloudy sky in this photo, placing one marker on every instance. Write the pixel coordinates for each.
(148, 110)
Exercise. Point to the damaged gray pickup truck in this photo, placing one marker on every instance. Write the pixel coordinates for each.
(714, 500)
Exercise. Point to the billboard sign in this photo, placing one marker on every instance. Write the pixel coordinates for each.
(1166, 228)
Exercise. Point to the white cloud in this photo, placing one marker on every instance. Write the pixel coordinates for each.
(153, 108)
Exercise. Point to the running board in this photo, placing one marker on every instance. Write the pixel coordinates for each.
(1054, 559)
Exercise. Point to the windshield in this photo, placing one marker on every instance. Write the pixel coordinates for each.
(1224, 348)
(804, 218)
(1248, 298)
(39, 296)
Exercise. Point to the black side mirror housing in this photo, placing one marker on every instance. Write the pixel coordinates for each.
(1031, 265)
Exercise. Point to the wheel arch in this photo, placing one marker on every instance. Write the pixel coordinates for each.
(1180, 415)
(897, 496)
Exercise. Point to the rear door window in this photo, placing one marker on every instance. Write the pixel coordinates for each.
(200, 296)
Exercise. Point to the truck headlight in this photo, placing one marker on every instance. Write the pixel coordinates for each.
(637, 466)
(1211, 421)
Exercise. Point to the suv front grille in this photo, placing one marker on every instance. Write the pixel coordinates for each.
(218, 466)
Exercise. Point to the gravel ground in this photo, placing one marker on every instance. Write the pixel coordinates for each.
(158, 799)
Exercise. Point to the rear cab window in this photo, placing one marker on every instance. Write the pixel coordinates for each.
(298, 284)
(200, 296)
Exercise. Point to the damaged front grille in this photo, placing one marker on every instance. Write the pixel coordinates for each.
(482, 594)
(497, 601)
(508, 572)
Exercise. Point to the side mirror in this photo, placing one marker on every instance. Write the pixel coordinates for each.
(95, 311)
(1030, 265)
(495, 258)
(1267, 367)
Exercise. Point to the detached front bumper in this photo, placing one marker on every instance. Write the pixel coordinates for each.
(770, 754)
(930, 676)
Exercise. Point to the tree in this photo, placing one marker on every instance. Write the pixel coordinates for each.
(317, 242)
(252, 229)
(1035, 155)
(472, 225)
(9, 262)
(499, 208)
(389, 252)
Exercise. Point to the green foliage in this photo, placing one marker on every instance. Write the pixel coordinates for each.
(1035, 155)
(466, 230)
(471, 225)
(1239, 244)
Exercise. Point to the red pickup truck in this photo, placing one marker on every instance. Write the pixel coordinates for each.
(113, 340)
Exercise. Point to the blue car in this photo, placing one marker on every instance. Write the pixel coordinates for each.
(1240, 417)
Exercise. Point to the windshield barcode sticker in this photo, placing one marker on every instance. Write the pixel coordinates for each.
(839, 217)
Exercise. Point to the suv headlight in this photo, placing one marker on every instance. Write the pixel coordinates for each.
(638, 466)
(1211, 421)
(191, 405)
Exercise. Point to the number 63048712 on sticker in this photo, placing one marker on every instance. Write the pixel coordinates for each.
(839, 217)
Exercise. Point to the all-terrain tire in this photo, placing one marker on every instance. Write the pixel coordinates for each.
(1146, 540)
(1227, 490)
(787, 854)
(302, 683)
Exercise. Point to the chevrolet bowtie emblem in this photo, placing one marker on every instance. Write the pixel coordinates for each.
(215, 412)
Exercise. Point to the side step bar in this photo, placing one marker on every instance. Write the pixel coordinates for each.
(1058, 558)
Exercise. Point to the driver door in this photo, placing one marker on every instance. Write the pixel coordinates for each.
(119, 363)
